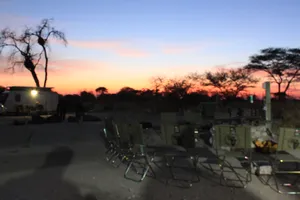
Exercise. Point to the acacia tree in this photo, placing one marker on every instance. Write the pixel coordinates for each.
(228, 83)
(43, 32)
(20, 51)
(157, 84)
(127, 93)
(22, 48)
(282, 65)
(101, 90)
(178, 87)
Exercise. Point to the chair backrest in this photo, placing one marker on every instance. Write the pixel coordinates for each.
(169, 117)
(288, 139)
(232, 136)
(132, 132)
(177, 134)
(193, 117)
(123, 132)
(109, 130)
(136, 131)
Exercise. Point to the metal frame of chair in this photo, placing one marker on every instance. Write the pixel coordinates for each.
(168, 132)
(289, 139)
(140, 154)
(111, 140)
(124, 144)
(238, 139)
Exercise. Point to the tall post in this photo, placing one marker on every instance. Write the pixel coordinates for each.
(267, 87)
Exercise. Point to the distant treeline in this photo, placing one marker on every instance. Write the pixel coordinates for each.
(153, 101)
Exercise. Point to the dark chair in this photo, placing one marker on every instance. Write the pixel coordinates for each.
(286, 167)
(233, 141)
(141, 156)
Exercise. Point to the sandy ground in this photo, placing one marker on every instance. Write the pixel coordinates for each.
(56, 167)
(81, 172)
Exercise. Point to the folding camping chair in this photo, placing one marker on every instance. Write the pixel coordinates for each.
(182, 136)
(140, 155)
(168, 117)
(232, 141)
(110, 139)
(288, 141)
(123, 149)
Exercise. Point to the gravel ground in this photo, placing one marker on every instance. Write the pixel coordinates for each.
(78, 171)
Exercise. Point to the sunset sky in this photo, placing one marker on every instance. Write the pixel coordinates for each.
(116, 43)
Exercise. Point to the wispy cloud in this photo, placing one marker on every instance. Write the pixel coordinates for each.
(121, 48)
(59, 67)
(231, 65)
(77, 64)
(188, 47)
(97, 44)
(173, 49)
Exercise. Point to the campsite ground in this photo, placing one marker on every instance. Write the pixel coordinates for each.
(66, 161)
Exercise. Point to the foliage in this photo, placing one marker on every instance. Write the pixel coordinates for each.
(87, 96)
(282, 66)
(227, 82)
(43, 32)
(157, 83)
(177, 87)
(2, 89)
(23, 50)
(101, 90)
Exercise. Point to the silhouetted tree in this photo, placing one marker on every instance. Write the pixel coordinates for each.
(72, 101)
(127, 94)
(177, 87)
(20, 51)
(43, 32)
(228, 83)
(101, 90)
(194, 98)
(148, 93)
(22, 47)
(157, 84)
(2, 89)
(282, 65)
(87, 96)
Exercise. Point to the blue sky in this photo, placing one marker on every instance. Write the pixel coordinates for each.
(166, 34)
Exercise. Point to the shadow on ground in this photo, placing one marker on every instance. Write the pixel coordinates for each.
(46, 182)
(208, 187)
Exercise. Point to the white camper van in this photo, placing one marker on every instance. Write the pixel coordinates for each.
(23, 99)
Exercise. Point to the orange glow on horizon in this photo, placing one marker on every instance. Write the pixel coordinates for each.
(74, 76)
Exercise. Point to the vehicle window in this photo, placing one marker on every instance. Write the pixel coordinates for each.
(17, 97)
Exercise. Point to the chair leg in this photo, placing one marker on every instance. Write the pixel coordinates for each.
(191, 167)
(145, 173)
(111, 155)
(110, 150)
(119, 157)
(128, 168)
(195, 161)
(146, 167)
(121, 161)
(223, 178)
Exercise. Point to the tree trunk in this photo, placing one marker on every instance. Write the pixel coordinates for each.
(287, 87)
(46, 65)
(282, 96)
(35, 78)
(279, 88)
